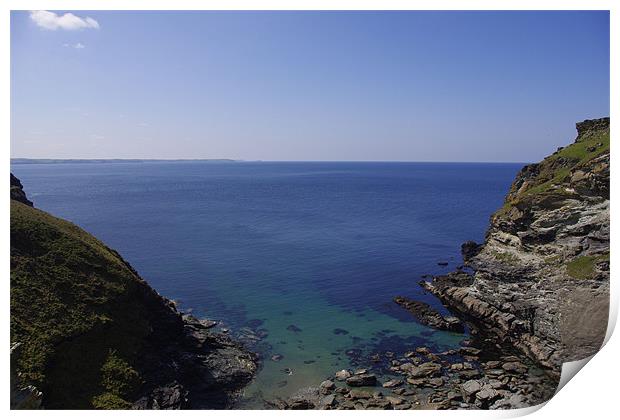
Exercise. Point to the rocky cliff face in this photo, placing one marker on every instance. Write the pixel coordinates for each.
(541, 278)
(94, 334)
(17, 191)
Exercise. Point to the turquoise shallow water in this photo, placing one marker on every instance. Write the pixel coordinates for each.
(300, 260)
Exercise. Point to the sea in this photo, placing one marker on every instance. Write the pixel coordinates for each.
(299, 260)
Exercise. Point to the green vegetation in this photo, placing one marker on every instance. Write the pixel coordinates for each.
(583, 267)
(554, 169)
(552, 172)
(79, 310)
(505, 257)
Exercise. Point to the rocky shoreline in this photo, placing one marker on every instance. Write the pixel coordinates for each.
(471, 377)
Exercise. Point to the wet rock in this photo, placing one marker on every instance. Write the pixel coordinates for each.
(343, 375)
(395, 400)
(362, 380)
(472, 351)
(300, 404)
(329, 385)
(357, 394)
(277, 357)
(328, 401)
(426, 315)
(425, 370)
(392, 383)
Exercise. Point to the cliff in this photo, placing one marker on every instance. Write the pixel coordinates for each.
(94, 334)
(540, 280)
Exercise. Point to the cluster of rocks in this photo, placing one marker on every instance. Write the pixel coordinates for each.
(422, 379)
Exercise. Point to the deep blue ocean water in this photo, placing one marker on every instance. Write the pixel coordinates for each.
(265, 245)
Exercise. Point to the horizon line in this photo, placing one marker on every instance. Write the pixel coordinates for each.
(231, 160)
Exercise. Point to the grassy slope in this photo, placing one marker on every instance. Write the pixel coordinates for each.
(554, 169)
(74, 307)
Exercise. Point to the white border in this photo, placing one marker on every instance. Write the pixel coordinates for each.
(593, 394)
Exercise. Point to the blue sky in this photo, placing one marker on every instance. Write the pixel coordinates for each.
(405, 86)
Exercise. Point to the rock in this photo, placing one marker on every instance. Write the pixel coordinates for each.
(170, 397)
(470, 249)
(395, 400)
(360, 371)
(425, 370)
(469, 374)
(301, 404)
(357, 394)
(342, 375)
(277, 357)
(362, 380)
(493, 364)
(515, 367)
(435, 382)
(426, 315)
(392, 383)
(329, 385)
(328, 401)
(340, 331)
(442, 263)
(470, 351)
(293, 328)
(470, 388)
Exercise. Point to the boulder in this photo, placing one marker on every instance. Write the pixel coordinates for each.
(362, 380)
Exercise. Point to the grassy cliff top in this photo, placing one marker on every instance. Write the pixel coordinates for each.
(81, 312)
(553, 174)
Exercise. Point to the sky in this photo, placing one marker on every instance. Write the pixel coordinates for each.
(337, 86)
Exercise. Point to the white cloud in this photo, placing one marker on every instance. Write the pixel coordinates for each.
(77, 46)
(70, 22)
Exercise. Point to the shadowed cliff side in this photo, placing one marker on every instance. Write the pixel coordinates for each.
(541, 278)
(94, 334)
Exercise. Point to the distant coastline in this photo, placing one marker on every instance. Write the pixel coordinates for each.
(26, 161)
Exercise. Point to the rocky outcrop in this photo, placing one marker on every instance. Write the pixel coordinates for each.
(540, 280)
(94, 334)
(201, 369)
(426, 315)
(17, 191)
